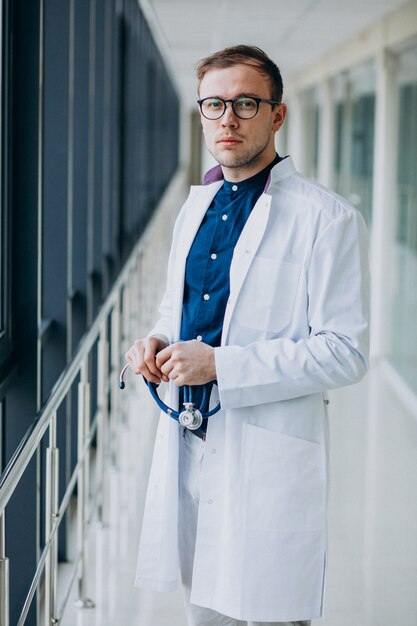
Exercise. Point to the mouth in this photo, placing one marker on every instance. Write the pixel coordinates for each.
(229, 141)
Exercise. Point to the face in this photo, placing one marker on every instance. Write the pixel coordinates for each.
(241, 147)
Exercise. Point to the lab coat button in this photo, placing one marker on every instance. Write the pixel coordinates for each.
(213, 451)
(209, 501)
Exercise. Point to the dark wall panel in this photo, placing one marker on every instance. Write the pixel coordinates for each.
(93, 142)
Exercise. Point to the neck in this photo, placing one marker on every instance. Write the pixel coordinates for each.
(239, 173)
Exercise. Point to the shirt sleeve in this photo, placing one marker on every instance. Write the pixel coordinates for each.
(336, 351)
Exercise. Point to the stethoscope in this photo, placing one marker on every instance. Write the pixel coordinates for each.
(192, 417)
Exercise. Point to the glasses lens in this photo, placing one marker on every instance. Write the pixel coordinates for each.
(212, 108)
(245, 107)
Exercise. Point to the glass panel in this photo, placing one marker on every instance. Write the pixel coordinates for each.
(403, 340)
(311, 115)
(2, 207)
(1, 438)
(354, 136)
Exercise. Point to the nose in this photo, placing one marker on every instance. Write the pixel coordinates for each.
(229, 119)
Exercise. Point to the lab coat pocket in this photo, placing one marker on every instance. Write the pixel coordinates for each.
(282, 482)
(266, 301)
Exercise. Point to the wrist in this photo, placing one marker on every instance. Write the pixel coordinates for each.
(212, 364)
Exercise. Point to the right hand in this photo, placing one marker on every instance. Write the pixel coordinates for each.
(141, 358)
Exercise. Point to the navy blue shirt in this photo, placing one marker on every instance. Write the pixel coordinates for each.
(206, 285)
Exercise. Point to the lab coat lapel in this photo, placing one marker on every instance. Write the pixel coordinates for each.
(244, 254)
(199, 200)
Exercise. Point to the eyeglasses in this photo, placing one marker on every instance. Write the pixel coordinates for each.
(243, 107)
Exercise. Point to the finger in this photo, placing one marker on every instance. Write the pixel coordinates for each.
(163, 356)
(132, 357)
(149, 359)
(151, 377)
(137, 356)
(167, 369)
(140, 368)
(178, 380)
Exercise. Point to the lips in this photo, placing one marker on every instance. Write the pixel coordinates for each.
(229, 141)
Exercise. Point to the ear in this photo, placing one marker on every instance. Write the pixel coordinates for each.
(279, 113)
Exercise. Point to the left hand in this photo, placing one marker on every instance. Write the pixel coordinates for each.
(187, 363)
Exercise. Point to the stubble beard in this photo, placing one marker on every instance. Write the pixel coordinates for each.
(242, 161)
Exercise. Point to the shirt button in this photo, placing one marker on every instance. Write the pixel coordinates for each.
(224, 217)
(213, 256)
(234, 187)
(206, 296)
(209, 501)
(199, 338)
(213, 451)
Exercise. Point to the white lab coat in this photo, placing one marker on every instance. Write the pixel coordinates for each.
(296, 325)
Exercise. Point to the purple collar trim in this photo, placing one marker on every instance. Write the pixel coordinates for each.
(215, 174)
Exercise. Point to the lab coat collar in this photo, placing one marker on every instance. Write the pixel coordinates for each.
(281, 170)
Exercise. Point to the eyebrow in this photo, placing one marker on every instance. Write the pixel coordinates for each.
(240, 95)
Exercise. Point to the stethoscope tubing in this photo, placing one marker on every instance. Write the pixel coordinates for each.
(188, 397)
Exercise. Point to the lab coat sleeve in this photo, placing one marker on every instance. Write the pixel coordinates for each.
(336, 351)
(164, 325)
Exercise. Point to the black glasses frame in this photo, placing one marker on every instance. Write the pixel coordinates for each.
(233, 101)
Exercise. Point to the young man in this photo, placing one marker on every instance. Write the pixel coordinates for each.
(267, 294)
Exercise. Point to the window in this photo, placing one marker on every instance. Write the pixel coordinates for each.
(5, 331)
(354, 136)
(311, 115)
(403, 336)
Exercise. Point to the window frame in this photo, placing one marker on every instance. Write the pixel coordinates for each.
(5, 178)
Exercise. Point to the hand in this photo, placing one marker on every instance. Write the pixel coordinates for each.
(188, 363)
(141, 357)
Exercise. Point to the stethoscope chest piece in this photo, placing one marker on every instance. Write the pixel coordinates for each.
(190, 418)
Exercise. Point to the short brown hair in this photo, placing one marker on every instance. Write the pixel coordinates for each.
(246, 55)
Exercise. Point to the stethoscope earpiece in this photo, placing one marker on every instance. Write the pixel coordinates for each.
(122, 383)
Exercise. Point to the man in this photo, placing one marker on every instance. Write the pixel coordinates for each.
(267, 294)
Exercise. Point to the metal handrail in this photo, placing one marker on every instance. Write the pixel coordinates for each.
(46, 419)
(30, 441)
(62, 509)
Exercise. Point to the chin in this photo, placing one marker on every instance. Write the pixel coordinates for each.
(228, 160)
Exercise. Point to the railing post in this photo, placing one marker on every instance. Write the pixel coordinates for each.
(83, 486)
(102, 423)
(124, 437)
(51, 514)
(4, 575)
(114, 377)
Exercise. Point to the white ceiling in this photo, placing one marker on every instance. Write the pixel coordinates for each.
(293, 32)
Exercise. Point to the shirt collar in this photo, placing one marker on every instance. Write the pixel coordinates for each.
(215, 174)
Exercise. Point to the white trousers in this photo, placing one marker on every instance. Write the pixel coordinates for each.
(190, 472)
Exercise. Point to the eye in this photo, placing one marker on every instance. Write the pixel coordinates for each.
(245, 104)
(213, 104)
